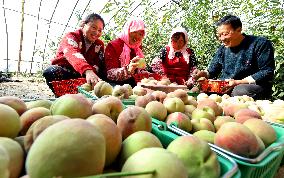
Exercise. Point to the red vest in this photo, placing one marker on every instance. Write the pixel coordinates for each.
(177, 69)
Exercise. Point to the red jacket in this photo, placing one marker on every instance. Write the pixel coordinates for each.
(72, 53)
(115, 71)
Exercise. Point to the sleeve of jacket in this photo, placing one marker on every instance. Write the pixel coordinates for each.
(265, 61)
(72, 52)
(215, 65)
(113, 66)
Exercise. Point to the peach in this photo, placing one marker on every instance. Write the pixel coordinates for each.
(10, 124)
(238, 139)
(163, 162)
(133, 119)
(121, 92)
(220, 120)
(210, 103)
(72, 105)
(202, 124)
(140, 91)
(30, 116)
(142, 101)
(137, 141)
(112, 135)
(182, 121)
(205, 135)
(16, 155)
(39, 103)
(159, 95)
(174, 105)
(38, 127)
(232, 108)
(102, 88)
(197, 156)
(245, 114)
(156, 110)
(69, 148)
(110, 106)
(15, 103)
(263, 130)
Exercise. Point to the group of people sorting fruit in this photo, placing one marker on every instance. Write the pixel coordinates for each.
(246, 61)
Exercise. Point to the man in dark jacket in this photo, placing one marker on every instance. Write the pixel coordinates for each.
(246, 61)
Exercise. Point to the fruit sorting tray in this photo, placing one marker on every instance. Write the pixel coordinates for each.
(263, 166)
(63, 87)
(164, 88)
(229, 168)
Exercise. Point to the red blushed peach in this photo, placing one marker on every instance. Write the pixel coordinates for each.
(159, 95)
(245, 114)
(181, 120)
(132, 119)
(238, 139)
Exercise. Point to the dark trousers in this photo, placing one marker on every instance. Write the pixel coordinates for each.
(252, 90)
(55, 73)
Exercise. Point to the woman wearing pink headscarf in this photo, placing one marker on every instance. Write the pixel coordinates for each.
(122, 54)
(176, 60)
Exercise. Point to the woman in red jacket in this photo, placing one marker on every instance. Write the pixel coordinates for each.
(176, 60)
(80, 53)
(122, 54)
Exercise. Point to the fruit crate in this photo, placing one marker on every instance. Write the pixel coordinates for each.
(63, 87)
(229, 168)
(213, 86)
(86, 93)
(279, 125)
(263, 166)
(128, 102)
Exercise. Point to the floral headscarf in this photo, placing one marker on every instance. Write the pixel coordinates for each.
(131, 26)
(172, 51)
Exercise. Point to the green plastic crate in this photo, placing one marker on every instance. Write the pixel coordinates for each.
(282, 126)
(228, 167)
(194, 94)
(268, 167)
(128, 101)
(86, 93)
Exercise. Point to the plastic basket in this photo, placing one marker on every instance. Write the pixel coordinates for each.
(264, 166)
(228, 166)
(86, 93)
(213, 86)
(128, 102)
(63, 87)
(138, 77)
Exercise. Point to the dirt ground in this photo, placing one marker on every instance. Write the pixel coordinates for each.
(26, 88)
(35, 88)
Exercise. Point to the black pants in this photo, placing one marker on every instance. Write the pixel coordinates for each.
(55, 73)
(252, 90)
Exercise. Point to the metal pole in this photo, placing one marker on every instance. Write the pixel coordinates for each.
(21, 38)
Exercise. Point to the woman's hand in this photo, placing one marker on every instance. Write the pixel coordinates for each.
(196, 74)
(91, 77)
(133, 64)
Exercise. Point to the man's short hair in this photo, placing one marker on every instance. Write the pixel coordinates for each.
(234, 21)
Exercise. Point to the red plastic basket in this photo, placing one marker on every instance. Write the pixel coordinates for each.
(138, 77)
(63, 87)
(213, 86)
